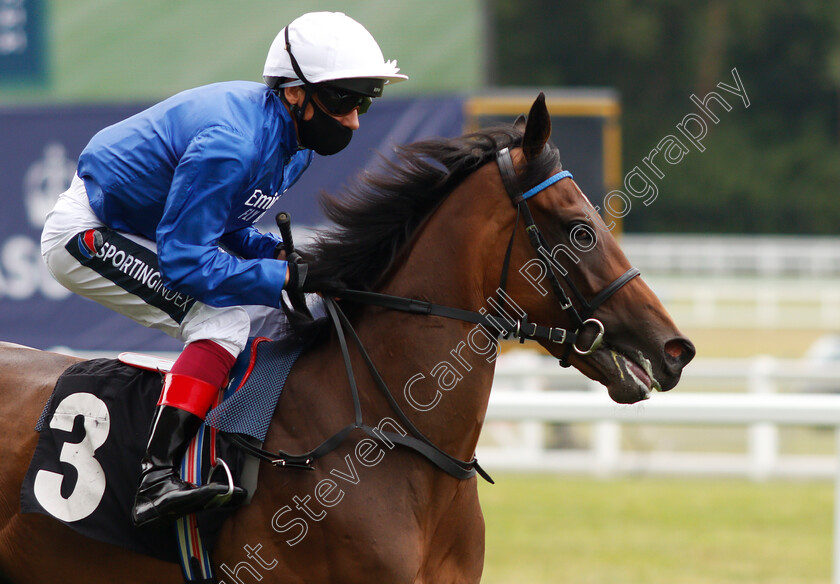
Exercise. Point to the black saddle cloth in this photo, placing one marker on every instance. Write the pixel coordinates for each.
(86, 465)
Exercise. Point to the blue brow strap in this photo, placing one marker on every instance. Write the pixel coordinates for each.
(546, 183)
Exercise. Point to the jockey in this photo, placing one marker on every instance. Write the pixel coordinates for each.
(158, 221)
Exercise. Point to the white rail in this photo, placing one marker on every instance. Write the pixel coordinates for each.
(761, 409)
(762, 303)
(762, 413)
(763, 256)
(761, 394)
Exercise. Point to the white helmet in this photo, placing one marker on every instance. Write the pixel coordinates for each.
(330, 46)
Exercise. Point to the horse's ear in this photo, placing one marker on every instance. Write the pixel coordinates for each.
(537, 130)
(519, 124)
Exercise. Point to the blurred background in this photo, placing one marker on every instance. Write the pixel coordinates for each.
(716, 126)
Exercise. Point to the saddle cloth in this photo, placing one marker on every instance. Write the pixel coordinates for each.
(93, 433)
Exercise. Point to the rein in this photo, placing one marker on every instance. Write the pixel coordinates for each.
(414, 440)
(506, 327)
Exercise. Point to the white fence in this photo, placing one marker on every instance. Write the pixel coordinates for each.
(532, 390)
(751, 303)
(727, 255)
(778, 282)
(760, 408)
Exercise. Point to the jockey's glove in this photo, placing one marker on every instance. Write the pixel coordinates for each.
(297, 275)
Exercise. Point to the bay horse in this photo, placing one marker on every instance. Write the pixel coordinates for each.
(438, 225)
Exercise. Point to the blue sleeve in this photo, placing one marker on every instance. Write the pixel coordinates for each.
(211, 174)
(250, 243)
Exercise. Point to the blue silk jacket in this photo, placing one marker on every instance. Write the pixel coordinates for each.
(194, 173)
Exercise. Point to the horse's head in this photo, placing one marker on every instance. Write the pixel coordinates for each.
(435, 223)
(641, 349)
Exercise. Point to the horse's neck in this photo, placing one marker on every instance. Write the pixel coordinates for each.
(440, 370)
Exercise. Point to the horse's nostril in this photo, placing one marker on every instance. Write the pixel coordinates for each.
(679, 351)
(674, 348)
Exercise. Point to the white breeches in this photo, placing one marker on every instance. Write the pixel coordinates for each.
(121, 274)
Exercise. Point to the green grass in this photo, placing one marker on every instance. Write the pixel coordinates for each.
(562, 529)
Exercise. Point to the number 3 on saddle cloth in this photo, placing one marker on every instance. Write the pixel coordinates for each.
(93, 431)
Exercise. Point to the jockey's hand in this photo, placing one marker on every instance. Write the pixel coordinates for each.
(295, 276)
(281, 254)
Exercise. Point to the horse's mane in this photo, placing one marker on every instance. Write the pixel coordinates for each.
(378, 214)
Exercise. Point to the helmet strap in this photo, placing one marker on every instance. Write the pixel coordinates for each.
(322, 133)
(306, 99)
(294, 62)
(298, 111)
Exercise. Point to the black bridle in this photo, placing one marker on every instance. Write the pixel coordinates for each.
(506, 327)
(579, 319)
(520, 328)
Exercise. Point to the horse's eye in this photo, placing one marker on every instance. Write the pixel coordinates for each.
(582, 235)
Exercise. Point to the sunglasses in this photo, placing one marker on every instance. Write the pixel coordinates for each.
(340, 102)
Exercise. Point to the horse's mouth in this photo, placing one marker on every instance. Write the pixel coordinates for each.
(628, 378)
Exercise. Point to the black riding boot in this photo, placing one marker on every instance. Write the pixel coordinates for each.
(162, 493)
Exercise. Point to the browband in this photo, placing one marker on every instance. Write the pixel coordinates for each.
(545, 184)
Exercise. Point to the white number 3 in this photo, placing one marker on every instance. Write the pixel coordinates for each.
(90, 485)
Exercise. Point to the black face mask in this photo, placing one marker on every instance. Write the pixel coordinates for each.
(323, 133)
